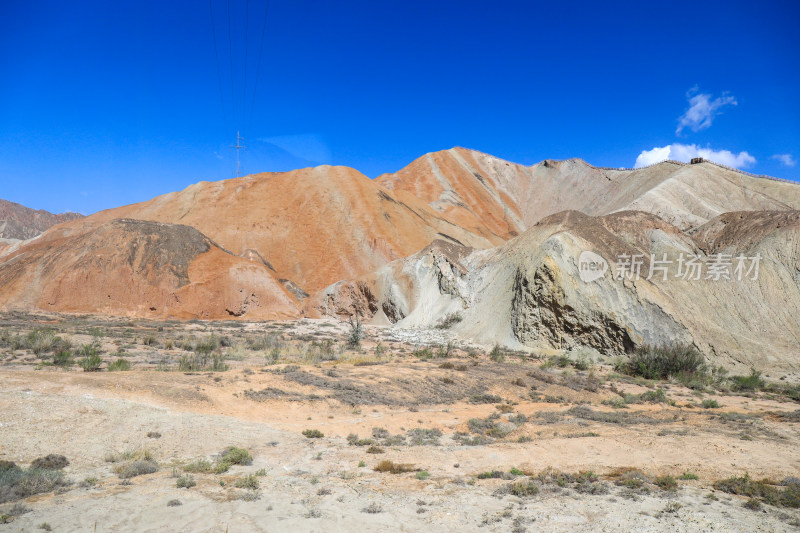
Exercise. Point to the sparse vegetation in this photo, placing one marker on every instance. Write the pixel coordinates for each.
(751, 382)
(764, 491)
(131, 469)
(313, 433)
(91, 363)
(394, 468)
(663, 362)
(247, 482)
(185, 482)
(372, 508)
(119, 365)
(450, 320)
(356, 334)
(50, 462)
(17, 483)
(666, 483)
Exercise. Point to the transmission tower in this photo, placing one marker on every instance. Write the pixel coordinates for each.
(238, 147)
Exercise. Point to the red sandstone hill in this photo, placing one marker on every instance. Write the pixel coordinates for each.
(256, 246)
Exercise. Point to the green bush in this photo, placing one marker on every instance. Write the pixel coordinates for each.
(748, 383)
(200, 466)
(50, 462)
(91, 363)
(236, 456)
(313, 433)
(666, 483)
(524, 488)
(356, 334)
(663, 362)
(136, 468)
(17, 483)
(185, 482)
(120, 365)
(62, 358)
(249, 481)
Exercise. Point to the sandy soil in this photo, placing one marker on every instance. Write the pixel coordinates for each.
(319, 484)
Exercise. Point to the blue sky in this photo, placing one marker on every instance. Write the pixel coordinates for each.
(108, 103)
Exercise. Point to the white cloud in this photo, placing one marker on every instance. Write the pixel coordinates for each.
(685, 152)
(785, 159)
(702, 110)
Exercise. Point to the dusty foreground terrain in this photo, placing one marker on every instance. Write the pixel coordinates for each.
(471, 438)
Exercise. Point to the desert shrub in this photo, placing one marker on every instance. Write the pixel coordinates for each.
(6, 465)
(356, 334)
(688, 476)
(666, 483)
(119, 365)
(372, 508)
(423, 353)
(491, 426)
(753, 504)
(709, 403)
(587, 413)
(652, 396)
(91, 363)
(51, 462)
(17, 483)
(198, 466)
(663, 362)
(495, 474)
(375, 449)
(581, 363)
(354, 440)
(140, 454)
(185, 482)
(62, 358)
(750, 382)
(313, 434)
(236, 456)
(465, 439)
(422, 475)
(202, 361)
(174, 503)
(485, 398)
(41, 341)
(450, 320)
(524, 488)
(247, 482)
(394, 468)
(763, 491)
(424, 437)
(497, 354)
(136, 468)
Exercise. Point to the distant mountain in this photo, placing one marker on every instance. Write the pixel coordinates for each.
(18, 222)
(272, 239)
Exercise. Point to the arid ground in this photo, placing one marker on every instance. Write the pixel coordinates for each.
(228, 426)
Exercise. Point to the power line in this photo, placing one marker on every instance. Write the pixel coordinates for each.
(230, 59)
(244, 69)
(258, 68)
(219, 72)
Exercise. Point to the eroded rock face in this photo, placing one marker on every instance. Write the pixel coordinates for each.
(529, 292)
